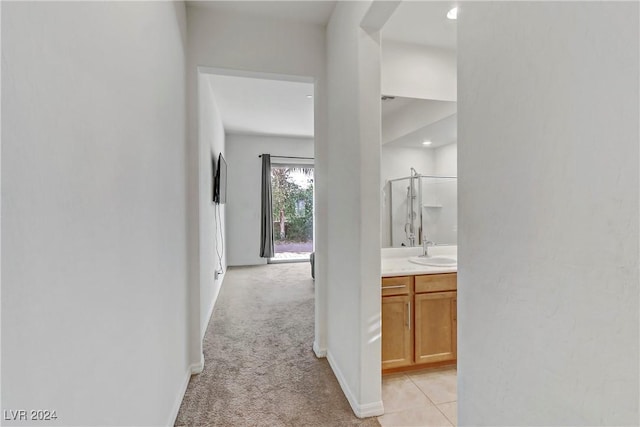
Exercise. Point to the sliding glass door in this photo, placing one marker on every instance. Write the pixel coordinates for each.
(292, 196)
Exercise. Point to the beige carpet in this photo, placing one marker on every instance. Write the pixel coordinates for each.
(260, 369)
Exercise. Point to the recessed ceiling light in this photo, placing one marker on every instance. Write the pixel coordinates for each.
(426, 142)
(309, 96)
(453, 13)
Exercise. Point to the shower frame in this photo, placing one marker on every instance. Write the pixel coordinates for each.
(410, 203)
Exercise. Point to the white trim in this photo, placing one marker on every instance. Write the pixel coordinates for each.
(320, 352)
(203, 328)
(173, 415)
(196, 368)
(255, 74)
(362, 411)
(374, 409)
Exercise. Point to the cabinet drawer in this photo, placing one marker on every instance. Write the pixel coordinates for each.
(396, 285)
(436, 282)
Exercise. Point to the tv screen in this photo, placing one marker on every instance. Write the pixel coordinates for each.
(220, 182)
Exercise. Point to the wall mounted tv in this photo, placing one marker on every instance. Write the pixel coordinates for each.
(220, 182)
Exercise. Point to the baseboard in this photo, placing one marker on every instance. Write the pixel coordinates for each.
(203, 328)
(361, 411)
(173, 416)
(196, 368)
(320, 352)
(374, 409)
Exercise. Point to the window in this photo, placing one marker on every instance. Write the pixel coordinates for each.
(292, 196)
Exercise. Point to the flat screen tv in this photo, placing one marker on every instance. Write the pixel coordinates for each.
(220, 182)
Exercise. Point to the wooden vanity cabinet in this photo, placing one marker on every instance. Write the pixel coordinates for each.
(435, 335)
(419, 320)
(397, 319)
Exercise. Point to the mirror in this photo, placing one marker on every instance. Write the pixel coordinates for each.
(418, 171)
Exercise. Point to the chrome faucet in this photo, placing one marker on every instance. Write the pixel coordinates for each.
(425, 246)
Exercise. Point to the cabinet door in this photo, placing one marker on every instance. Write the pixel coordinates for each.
(436, 335)
(397, 334)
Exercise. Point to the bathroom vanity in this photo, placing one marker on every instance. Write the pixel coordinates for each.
(419, 325)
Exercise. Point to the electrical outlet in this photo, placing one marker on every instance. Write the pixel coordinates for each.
(217, 273)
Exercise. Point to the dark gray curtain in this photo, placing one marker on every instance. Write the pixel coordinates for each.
(266, 218)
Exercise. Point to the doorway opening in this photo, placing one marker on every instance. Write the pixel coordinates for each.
(293, 201)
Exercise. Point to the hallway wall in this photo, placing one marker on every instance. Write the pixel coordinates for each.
(212, 217)
(549, 188)
(94, 255)
(353, 73)
(260, 44)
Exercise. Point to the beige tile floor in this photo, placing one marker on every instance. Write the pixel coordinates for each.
(425, 398)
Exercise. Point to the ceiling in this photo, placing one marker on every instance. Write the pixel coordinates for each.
(265, 107)
(442, 132)
(274, 107)
(390, 106)
(422, 22)
(313, 12)
(407, 122)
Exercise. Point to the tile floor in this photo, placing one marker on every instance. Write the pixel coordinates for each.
(426, 398)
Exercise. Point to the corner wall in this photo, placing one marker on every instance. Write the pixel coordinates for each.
(212, 217)
(94, 245)
(245, 190)
(549, 185)
(353, 72)
(224, 39)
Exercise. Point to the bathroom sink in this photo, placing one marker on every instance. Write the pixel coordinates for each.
(434, 261)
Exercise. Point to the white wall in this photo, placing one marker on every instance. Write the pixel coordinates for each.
(445, 193)
(549, 194)
(446, 160)
(226, 39)
(418, 71)
(244, 184)
(212, 217)
(354, 207)
(396, 162)
(94, 285)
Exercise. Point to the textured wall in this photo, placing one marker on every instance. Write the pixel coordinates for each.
(212, 217)
(549, 195)
(354, 207)
(94, 274)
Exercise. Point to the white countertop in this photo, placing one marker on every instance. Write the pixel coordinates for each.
(395, 261)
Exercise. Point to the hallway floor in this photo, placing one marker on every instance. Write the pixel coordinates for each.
(259, 368)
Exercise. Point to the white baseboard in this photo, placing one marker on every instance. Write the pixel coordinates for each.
(362, 411)
(374, 409)
(196, 368)
(320, 352)
(216, 292)
(176, 405)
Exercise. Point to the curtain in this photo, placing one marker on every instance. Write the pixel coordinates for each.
(266, 218)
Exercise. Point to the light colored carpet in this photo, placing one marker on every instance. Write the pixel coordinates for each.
(260, 369)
